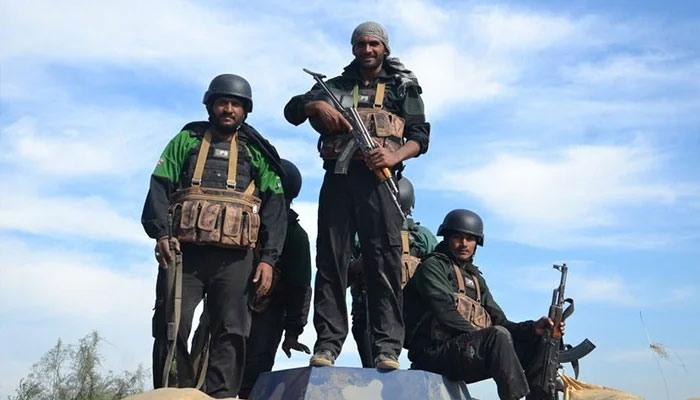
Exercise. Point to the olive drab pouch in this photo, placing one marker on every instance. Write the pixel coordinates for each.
(470, 309)
(409, 263)
(218, 217)
(386, 127)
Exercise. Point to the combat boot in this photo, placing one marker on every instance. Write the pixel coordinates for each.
(322, 358)
(386, 361)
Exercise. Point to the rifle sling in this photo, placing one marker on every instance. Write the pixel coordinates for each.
(460, 283)
(177, 310)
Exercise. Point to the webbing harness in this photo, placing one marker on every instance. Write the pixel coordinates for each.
(378, 96)
(232, 163)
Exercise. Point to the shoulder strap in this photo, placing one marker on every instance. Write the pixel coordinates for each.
(405, 244)
(355, 95)
(202, 159)
(478, 289)
(251, 188)
(232, 163)
(460, 279)
(379, 95)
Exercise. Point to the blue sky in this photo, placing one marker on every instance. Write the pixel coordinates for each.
(572, 128)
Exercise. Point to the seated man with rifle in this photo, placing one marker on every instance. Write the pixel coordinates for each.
(454, 326)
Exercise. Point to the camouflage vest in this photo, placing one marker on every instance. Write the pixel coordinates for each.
(209, 214)
(387, 127)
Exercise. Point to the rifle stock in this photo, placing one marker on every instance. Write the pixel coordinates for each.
(173, 303)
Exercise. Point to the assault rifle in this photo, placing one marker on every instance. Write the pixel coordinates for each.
(555, 351)
(173, 303)
(363, 141)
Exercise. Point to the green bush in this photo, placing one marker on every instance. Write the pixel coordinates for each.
(72, 372)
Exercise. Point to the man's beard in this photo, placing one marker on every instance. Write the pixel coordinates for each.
(377, 63)
(224, 129)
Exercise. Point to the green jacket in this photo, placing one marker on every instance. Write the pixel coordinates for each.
(421, 240)
(258, 161)
(428, 295)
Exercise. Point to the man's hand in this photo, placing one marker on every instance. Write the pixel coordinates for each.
(263, 279)
(543, 323)
(329, 116)
(163, 254)
(380, 158)
(292, 342)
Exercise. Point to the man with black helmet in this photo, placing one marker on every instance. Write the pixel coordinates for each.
(387, 96)
(219, 183)
(416, 242)
(454, 326)
(286, 306)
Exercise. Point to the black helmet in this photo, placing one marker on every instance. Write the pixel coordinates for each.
(406, 197)
(291, 181)
(463, 221)
(230, 85)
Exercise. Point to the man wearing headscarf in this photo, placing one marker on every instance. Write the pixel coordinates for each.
(387, 96)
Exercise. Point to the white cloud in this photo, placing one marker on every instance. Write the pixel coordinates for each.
(577, 188)
(600, 284)
(505, 30)
(448, 77)
(76, 141)
(91, 218)
(162, 38)
(642, 70)
(71, 284)
(421, 18)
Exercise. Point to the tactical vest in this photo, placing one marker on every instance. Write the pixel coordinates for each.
(217, 213)
(387, 127)
(470, 309)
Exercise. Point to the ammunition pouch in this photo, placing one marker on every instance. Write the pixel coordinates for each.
(383, 125)
(470, 309)
(219, 217)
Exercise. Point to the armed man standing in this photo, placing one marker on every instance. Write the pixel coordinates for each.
(218, 181)
(416, 242)
(387, 96)
(285, 307)
(455, 327)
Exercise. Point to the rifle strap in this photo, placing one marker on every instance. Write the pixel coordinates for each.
(461, 286)
(405, 244)
(177, 310)
(232, 161)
